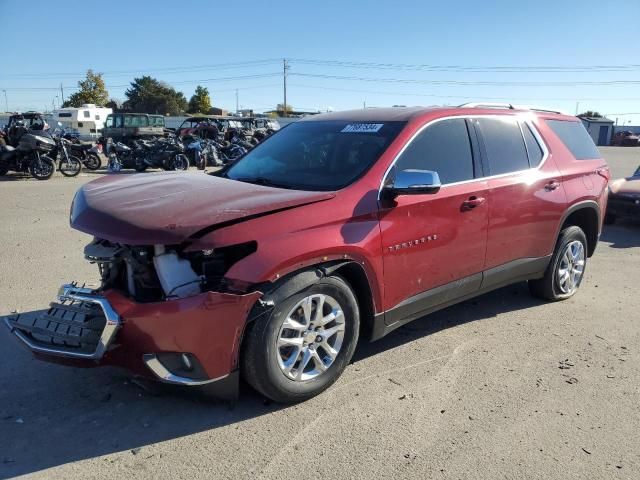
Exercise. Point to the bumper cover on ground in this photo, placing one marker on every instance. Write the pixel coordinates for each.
(208, 327)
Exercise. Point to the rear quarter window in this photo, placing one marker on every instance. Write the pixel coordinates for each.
(575, 138)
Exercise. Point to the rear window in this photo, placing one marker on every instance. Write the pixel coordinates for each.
(504, 145)
(575, 138)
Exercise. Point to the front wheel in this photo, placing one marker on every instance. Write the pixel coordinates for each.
(566, 268)
(139, 164)
(181, 163)
(114, 164)
(305, 344)
(70, 166)
(42, 168)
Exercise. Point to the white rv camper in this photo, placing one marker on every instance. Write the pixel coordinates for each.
(86, 121)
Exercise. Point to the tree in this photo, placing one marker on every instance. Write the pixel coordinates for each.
(590, 114)
(113, 104)
(148, 95)
(280, 109)
(200, 102)
(91, 90)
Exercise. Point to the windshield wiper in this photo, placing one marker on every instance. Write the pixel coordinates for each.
(263, 181)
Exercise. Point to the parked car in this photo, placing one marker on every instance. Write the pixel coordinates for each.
(625, 139)
(341, 227)
(624, 198)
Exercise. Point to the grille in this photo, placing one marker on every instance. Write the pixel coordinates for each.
(72, 326)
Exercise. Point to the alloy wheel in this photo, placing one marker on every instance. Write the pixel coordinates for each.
(310, 337)
(571, 267)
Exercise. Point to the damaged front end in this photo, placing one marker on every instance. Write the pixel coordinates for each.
(159, 312)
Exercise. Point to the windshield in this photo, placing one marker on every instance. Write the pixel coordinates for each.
(324, 155)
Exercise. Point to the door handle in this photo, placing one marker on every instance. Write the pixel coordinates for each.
(472, 202)
(552, 185)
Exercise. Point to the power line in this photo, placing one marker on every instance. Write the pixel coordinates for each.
(183, 82)
(470, 68)
(469, 83)
(186, 69)
(411, 94)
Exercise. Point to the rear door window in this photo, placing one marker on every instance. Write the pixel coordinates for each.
(443, 147)
(503, 144)
(575, 138)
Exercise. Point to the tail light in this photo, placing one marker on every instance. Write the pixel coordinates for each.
(604, 172)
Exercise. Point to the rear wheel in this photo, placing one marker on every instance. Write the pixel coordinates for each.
(305, 344)
(566, 269)
(70, 166)
(93, 162)
(4, 168)
(42, 168)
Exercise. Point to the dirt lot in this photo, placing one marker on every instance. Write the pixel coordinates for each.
(502, 386)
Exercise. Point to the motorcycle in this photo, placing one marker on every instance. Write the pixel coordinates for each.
(230, 152)
(89, 154)
(68, 165)
(167, 154)
(118, 155)
(203, 153)
(30, 155)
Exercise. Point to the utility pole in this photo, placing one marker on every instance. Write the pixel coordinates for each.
(6, 102)
(237, 101)
(577, 106)
(284, 84)
(62, 92)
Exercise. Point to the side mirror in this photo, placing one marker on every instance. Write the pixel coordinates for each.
(413, 182)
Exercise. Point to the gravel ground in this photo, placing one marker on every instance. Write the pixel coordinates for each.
(503, 386)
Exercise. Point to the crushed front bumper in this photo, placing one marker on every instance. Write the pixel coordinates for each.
(149, 339)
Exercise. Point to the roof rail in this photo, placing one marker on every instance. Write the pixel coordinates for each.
(508, 106)
(486, 105)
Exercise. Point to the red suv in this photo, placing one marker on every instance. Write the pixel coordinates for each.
(338, 227)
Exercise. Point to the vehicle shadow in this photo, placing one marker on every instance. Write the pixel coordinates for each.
(623, 234)
(19, 176)
(52, 415)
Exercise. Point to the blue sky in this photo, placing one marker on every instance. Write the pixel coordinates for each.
(399, 48)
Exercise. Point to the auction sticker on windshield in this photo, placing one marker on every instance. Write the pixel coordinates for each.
(362, 128)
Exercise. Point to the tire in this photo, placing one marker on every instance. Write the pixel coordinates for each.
(263, 361)
(45, 170)
(609, 219)
(139, 165)
(70, 167)
(93, 162)
(113, 165)
(550, 287)
(4, 169)
(181, 163)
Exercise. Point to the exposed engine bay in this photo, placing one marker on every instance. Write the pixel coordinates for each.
(158, 272)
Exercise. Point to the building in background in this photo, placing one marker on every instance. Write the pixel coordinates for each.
(600, 129)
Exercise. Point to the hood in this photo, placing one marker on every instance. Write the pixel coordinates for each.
(626, 186)
(169, 208)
